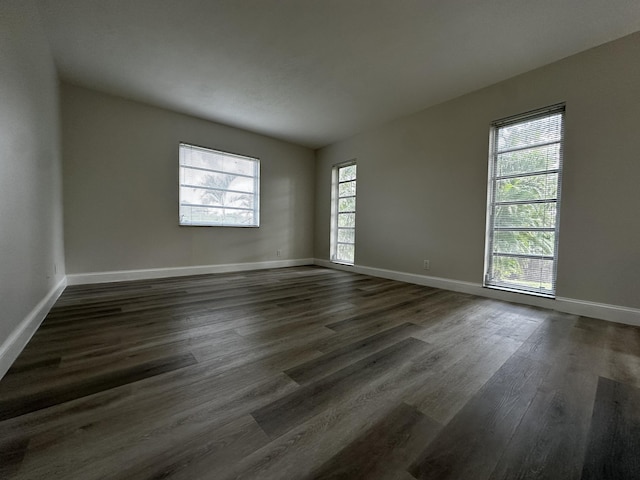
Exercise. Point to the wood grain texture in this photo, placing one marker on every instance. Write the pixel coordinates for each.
(384, 450)
(335, 359)
(289, 411)
(472, 443)
(17, 405)
(614, 440)
(11, 455)
(308, 373)
(551, 439)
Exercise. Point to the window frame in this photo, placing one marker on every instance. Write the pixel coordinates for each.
(335, 198)
(493, 178)
(255, 208)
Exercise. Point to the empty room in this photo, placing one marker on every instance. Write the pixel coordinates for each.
(313, 239)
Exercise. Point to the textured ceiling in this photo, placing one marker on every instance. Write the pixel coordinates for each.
(316, 71)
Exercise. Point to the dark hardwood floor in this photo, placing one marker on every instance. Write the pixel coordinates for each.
(311, 373)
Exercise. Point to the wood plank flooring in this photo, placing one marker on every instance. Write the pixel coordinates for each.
(312, 373)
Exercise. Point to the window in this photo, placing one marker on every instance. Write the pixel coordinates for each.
(218, 188)
(343, 213)
(524, 198)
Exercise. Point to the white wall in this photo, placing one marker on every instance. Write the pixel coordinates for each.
(422, 178)
(31, 242)
(121, 189)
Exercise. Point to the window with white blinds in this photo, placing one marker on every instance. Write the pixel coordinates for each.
(343, 217)
(524, 202)
(218, 188)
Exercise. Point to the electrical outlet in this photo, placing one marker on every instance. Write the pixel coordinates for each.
(425, 264)
(278, 253)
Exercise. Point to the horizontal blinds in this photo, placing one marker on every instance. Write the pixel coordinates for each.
(218, 188)
(526, 166)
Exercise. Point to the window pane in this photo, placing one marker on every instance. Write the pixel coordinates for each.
(524, 242)
(346, 235)
(197, 157)
(534, 187)
(215, 215)
(195, 177)
(217, 180)
(531, 132)
(347, 173)
(239, 166)
(534, 159)
(221, 181)
(528, 273)
(345, 253)
(532, 215)
(347, 204)
(347, 189)
(197, 215)
(346, 220)
(218, 198)
(214, 160)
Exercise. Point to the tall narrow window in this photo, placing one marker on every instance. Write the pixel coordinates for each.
(218, 188)
(343, 217)
(524, 200)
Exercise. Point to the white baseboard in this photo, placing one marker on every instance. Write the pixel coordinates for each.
(18, 339)
(603, 311)
(149, 273)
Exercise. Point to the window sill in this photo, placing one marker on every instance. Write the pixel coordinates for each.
(339, 262)
(523, 292)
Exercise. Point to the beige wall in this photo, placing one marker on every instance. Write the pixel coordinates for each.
(422, 178)
(30, 172)
(121, 189)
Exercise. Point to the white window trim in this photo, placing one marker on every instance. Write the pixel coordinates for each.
(550, 110)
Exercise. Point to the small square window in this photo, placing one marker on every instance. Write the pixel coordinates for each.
(218, 188)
